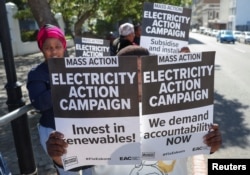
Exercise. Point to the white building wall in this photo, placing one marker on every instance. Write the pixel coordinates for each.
(224, 11)
(205, 15)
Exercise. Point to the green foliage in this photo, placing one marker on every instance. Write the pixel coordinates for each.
(117, 10)
(23, 11)
(24, 14)
(28, 36)
(107, 13)
(103, 28)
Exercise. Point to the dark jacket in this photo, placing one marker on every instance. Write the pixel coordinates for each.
(137, 40)
(38, 85)
(118, 44)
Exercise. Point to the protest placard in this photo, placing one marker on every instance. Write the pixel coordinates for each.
(165, 28)
(177, 104)
(91, 47)
(96, 107)
(95, 103)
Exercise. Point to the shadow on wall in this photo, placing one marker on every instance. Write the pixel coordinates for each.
(227, 113)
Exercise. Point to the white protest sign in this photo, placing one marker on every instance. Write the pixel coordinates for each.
(165, 28)
(91, 47)
(97, 109)
(177, 104)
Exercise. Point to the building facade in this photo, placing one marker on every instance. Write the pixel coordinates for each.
(221, 14)
(238, 15)
(205, 13)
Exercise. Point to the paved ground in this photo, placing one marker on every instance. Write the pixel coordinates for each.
(197, 164)
(7, 147)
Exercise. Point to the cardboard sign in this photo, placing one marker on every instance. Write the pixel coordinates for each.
(91, 47)
(177, 104)
(165, 28)
(97, 109)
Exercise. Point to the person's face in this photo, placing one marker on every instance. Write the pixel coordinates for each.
(131, 37)
(53, 48)
(138, 32)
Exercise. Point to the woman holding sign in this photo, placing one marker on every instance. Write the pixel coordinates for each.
(52, 43)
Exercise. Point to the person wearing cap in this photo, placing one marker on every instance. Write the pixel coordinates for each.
(126, 38)
(52, 43)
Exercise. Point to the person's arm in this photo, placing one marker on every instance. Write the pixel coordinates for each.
(56, 147)
(39, 91)
(213, 138)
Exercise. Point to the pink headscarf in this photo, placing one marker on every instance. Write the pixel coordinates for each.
(50, 31)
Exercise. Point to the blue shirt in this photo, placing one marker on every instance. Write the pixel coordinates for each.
(38, 85)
